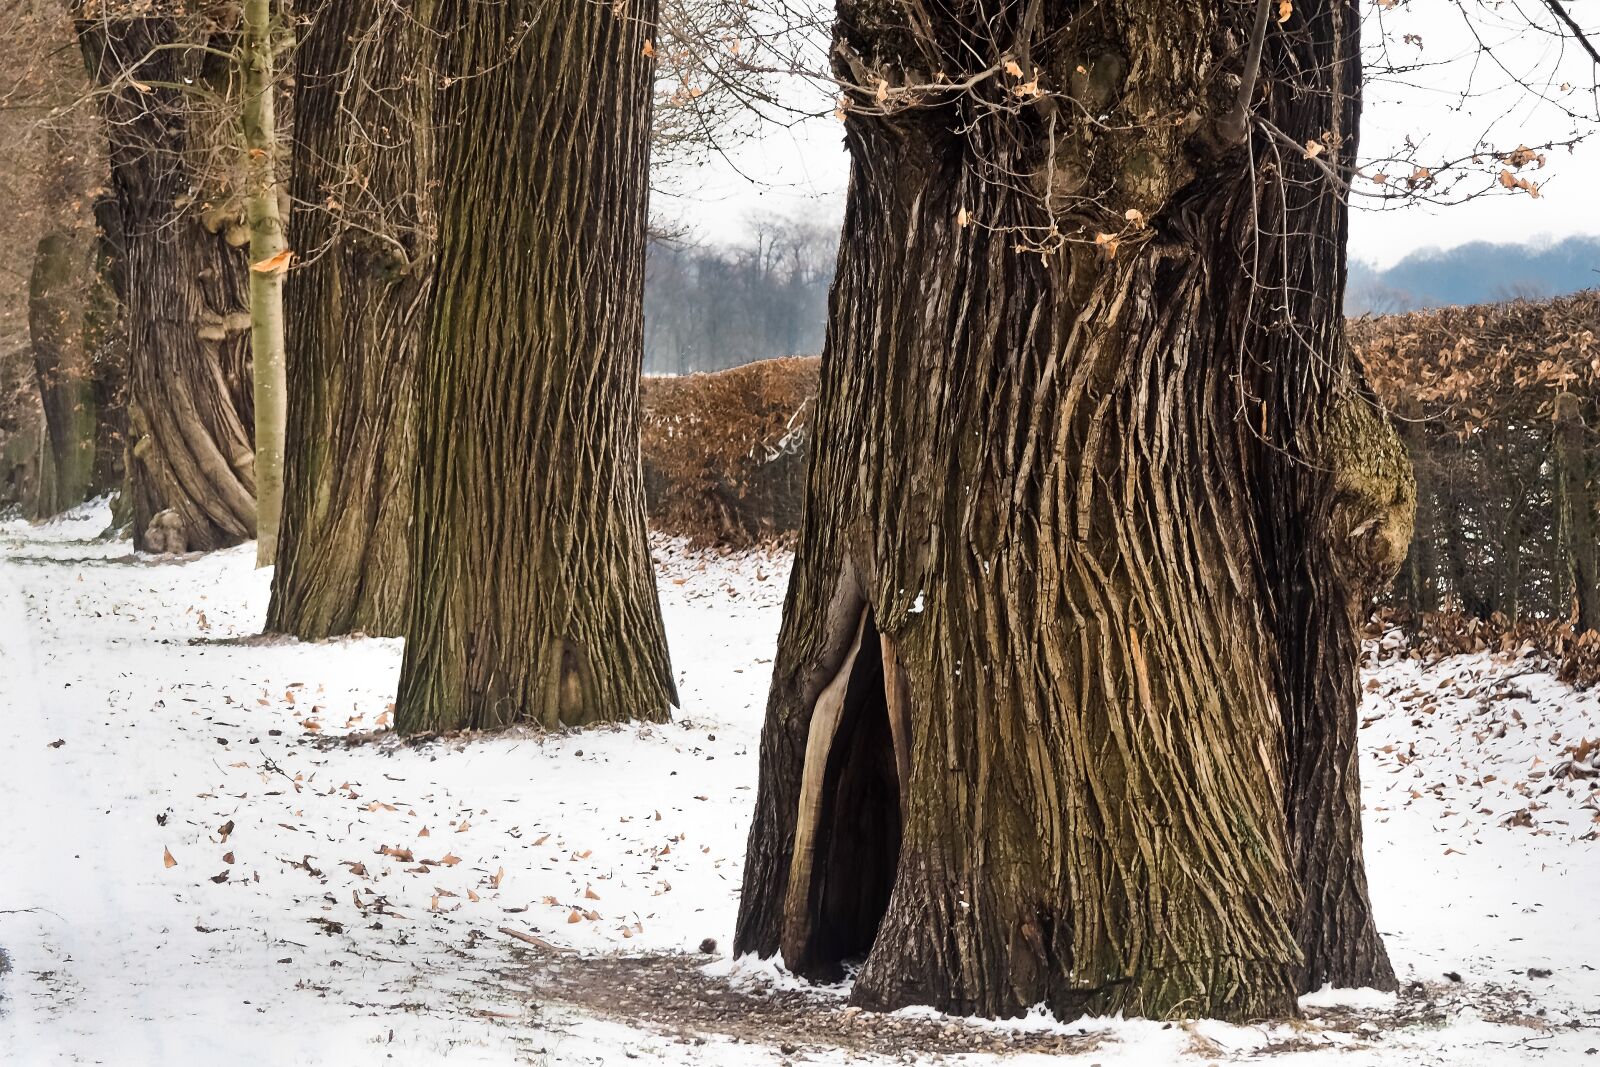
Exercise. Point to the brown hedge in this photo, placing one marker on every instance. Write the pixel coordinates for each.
(1506, 483)
(725, 453)
(1472, 388)
(1464, 368)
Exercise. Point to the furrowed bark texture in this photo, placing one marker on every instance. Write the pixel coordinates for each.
(358, 314)
(1336, 549)
(1334, 499)
(110, 327)
(71, 321)
(190, 458)
(534, 597)
(1070, 491)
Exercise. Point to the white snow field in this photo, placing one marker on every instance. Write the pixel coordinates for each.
(196, 869)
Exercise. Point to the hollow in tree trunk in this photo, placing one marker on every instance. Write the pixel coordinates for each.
(358, 314)
(533, 595)
(1037, 733)
(191, 464)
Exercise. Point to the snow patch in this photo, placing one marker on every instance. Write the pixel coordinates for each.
(303, 936)
(1364, 999)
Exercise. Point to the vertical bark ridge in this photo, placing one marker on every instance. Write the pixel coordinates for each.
(534, 597)
(361, 172)
(1329, 463)
(191, 456)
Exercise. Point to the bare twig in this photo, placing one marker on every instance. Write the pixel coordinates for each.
(537, 942)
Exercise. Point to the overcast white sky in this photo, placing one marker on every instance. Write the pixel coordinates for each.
(1449, 108)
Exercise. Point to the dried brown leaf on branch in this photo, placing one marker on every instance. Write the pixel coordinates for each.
(273, 263)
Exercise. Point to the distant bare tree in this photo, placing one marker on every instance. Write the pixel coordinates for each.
(707, 308)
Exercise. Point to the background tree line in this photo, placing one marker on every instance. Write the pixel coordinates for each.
(707, 307)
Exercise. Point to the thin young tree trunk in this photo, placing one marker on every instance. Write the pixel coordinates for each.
(1469, 594)
(362, 152)
(1576, 497)
(1421, 566)
(534, 596)
(191, 462)
(1033, 735)
(267, 246)
(1510, 566)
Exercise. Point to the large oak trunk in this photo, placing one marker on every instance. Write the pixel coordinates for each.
(534, 597)
(364, 82)
(1039, 730)
(191, 460)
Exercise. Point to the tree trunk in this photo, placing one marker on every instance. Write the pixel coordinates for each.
(1576, 498)
(1469, 582)
(110, 327)
(534, 596)
(1037, 733)
(1508, 571)
(191, 466)
(59, 303)
(361, 169)
(1339, 529)
(258, 115)
(72, 314)
(1420, 571)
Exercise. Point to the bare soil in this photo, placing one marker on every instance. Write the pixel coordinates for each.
(671, 996)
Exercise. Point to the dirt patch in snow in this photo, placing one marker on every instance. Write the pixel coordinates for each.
(672, 995)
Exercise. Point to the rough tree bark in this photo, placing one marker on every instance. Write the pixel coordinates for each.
(190, 457)
(358, 314)
(1340, 525)
(1041, 727)
(72, 315)
(111, 399)
(534, 597)
(265, 221)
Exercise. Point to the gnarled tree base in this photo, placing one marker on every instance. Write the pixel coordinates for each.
(1078, 493)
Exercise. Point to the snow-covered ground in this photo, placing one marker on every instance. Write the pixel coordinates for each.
(195, 868)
